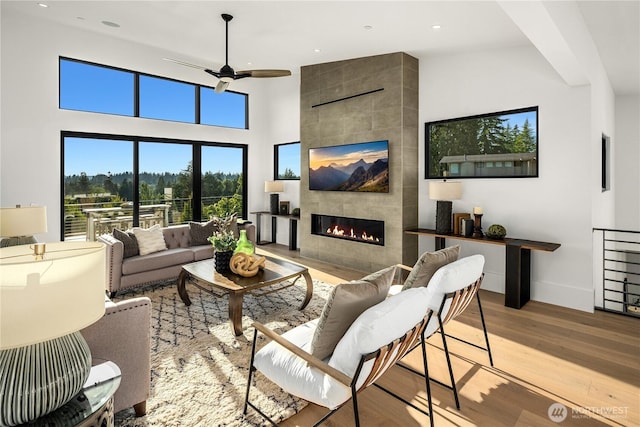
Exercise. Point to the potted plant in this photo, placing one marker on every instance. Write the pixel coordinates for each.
(223, 241)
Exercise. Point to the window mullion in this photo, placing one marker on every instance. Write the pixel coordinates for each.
(136, 183)
(197, 104)
(197, 183)
(136, 95)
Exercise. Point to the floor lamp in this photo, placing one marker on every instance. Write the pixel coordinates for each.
(444, 192)
(44, 302)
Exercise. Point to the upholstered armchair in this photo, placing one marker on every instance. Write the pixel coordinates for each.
(122, 336)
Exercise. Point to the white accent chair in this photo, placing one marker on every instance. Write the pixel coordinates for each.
(375, 341)
(378, 338)
(449, 293)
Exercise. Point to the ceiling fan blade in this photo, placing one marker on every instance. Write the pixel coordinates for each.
(264, 73)
(221, 86)
(186, 64)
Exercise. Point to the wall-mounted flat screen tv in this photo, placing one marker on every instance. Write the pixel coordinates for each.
(495, 145)
(362, 167)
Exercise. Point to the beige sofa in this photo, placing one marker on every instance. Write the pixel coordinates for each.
(124, 273)
(112, 338)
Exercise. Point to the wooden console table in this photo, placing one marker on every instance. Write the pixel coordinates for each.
(293, 228)
(517, 261)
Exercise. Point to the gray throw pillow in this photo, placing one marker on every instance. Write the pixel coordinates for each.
(129, 241)
(428, 264)
(345, 303)
(200, 232)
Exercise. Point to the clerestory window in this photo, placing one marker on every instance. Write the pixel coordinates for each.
(86, 86)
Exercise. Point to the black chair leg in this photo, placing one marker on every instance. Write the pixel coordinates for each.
(446, 352)
(484, 328)
(354, 398)
(251, 369)
(426, 377)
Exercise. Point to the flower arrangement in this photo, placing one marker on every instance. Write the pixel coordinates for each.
(223, 241)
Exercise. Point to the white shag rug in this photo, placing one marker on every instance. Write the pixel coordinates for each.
(199, 368)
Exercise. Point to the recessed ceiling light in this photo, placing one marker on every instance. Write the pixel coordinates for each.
(368, 27)
(436, 27)
(316, 50)
(43, 5)
(111, 24)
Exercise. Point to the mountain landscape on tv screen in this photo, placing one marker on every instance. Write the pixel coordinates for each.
(358, 176)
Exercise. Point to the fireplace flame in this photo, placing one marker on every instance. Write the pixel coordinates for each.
(337, 231)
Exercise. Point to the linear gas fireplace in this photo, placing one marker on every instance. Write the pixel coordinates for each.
(359, 230)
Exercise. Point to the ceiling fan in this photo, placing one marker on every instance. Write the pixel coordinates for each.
(226, 74)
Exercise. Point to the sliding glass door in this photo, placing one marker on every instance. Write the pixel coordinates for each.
(113, 181)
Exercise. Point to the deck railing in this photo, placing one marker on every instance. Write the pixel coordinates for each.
(86, 221)
(620, 257)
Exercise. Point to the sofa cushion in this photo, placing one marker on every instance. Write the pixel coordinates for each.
(202, 252)
(344, 304)
(150, 239)
(156, 261)
(129, 241)
(428, 264)
(177, 236)
(200, 232)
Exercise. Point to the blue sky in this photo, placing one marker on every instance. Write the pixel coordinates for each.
(96, 156)
(519, 119)
(289, 157)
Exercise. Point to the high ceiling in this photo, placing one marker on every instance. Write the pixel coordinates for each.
(291, 34)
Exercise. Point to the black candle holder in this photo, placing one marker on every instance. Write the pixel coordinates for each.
(477, 230)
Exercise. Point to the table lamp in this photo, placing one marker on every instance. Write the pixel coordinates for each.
(19, 224)
(274, 187)
(44, 303)
(444, 192)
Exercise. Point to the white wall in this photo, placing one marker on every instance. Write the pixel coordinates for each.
(282, 108)
(31, 121)
(556, 207)
(626, 146)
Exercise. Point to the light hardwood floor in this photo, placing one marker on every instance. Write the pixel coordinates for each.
(543, 355)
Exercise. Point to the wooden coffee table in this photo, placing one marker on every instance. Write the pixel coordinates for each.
(203, 275)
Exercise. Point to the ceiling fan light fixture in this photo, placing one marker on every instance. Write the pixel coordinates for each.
(227, 74)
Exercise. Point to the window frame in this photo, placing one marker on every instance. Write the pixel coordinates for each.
(136, 101)
(136, 140)
(276, 161)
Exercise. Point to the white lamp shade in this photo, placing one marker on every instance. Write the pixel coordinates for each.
(25, 221)
(45, 299)
(445, 190)
(273, 186)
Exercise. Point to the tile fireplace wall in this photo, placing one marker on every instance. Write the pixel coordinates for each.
(353, 110)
